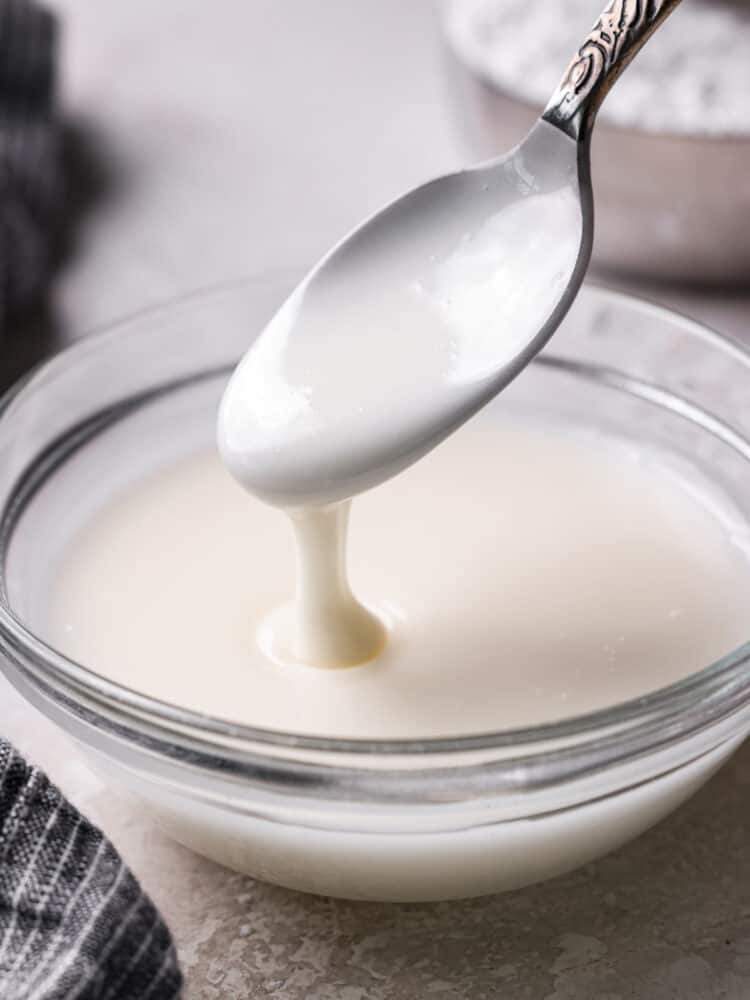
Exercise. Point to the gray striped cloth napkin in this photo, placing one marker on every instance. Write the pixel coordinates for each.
(74, 922)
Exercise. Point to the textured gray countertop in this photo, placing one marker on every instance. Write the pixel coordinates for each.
(230, 137)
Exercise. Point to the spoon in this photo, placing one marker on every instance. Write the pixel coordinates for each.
(428, 309)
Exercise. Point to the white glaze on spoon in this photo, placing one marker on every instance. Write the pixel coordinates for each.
(427, 310)
(391, 343)
(405, 329)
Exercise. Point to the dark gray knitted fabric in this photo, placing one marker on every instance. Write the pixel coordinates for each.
(74, 923)
(31, 175)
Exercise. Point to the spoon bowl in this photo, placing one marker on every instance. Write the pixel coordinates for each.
(410, 324)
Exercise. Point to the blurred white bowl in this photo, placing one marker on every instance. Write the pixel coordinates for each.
(669, 205)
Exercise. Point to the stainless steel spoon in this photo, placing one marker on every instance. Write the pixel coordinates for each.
(429, 308)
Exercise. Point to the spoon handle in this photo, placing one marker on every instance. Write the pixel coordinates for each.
(616, 37)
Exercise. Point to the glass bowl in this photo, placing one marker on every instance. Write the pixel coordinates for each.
(388, 820)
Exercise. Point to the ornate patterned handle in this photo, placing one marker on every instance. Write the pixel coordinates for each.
(615, 38)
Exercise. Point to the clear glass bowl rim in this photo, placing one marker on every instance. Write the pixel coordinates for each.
(678, 710)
